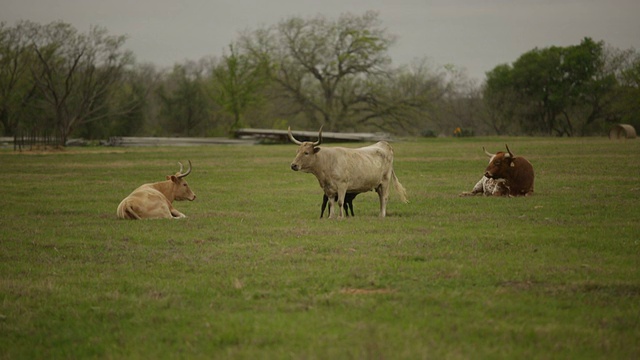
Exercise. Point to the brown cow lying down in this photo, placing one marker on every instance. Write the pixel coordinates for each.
(506, 174)
(154, 201)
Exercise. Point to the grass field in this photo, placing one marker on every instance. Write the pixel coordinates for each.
(254, 273)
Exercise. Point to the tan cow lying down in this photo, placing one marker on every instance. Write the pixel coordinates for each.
(154, 201)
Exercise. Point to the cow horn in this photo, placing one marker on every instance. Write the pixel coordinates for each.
(488, 153)
(188, 170)
(319, 137)
(293, 140)
(509, 151)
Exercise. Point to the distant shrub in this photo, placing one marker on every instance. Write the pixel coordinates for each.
(428, 133)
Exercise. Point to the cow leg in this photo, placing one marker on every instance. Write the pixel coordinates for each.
(341, 195)
(348, 202)
(383, 194)
(325, 199)
(333, 199)
(480, 186)
(175, 213)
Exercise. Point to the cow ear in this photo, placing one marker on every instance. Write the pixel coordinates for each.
(316, 149)
(512, 164)
(173, 178)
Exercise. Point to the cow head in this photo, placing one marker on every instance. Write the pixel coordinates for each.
(305, 157)
(499, 164)
(181, 190)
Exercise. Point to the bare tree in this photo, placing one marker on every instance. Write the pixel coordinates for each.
(17, 90)
(326, 66)
(184, 103)
(76, 71)
(404, 101)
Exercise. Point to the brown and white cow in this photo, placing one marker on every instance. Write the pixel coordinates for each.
(340, 170)
(513, 175)
(154, 201)
(488, 187)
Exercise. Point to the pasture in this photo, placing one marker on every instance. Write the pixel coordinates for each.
(254, 273)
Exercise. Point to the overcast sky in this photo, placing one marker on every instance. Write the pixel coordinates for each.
(473, 34)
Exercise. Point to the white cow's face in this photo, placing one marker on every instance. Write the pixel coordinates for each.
(305, 158)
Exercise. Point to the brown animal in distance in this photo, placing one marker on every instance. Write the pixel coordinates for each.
(154, 201)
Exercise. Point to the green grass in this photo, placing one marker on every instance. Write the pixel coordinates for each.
(254, 273)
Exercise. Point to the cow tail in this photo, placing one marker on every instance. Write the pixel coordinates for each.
(125, 211)
(399, 188)
(132, 214)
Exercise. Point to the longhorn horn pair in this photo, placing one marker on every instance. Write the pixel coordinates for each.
(298, 142)
(491, 155)
(181, 175)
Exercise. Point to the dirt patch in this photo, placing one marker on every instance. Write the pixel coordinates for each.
(354, 291)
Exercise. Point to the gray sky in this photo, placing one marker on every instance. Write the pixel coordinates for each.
(473, 34)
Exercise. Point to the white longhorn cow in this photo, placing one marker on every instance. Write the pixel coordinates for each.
(340, 170)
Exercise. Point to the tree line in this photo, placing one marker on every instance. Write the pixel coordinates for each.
(305, 72)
